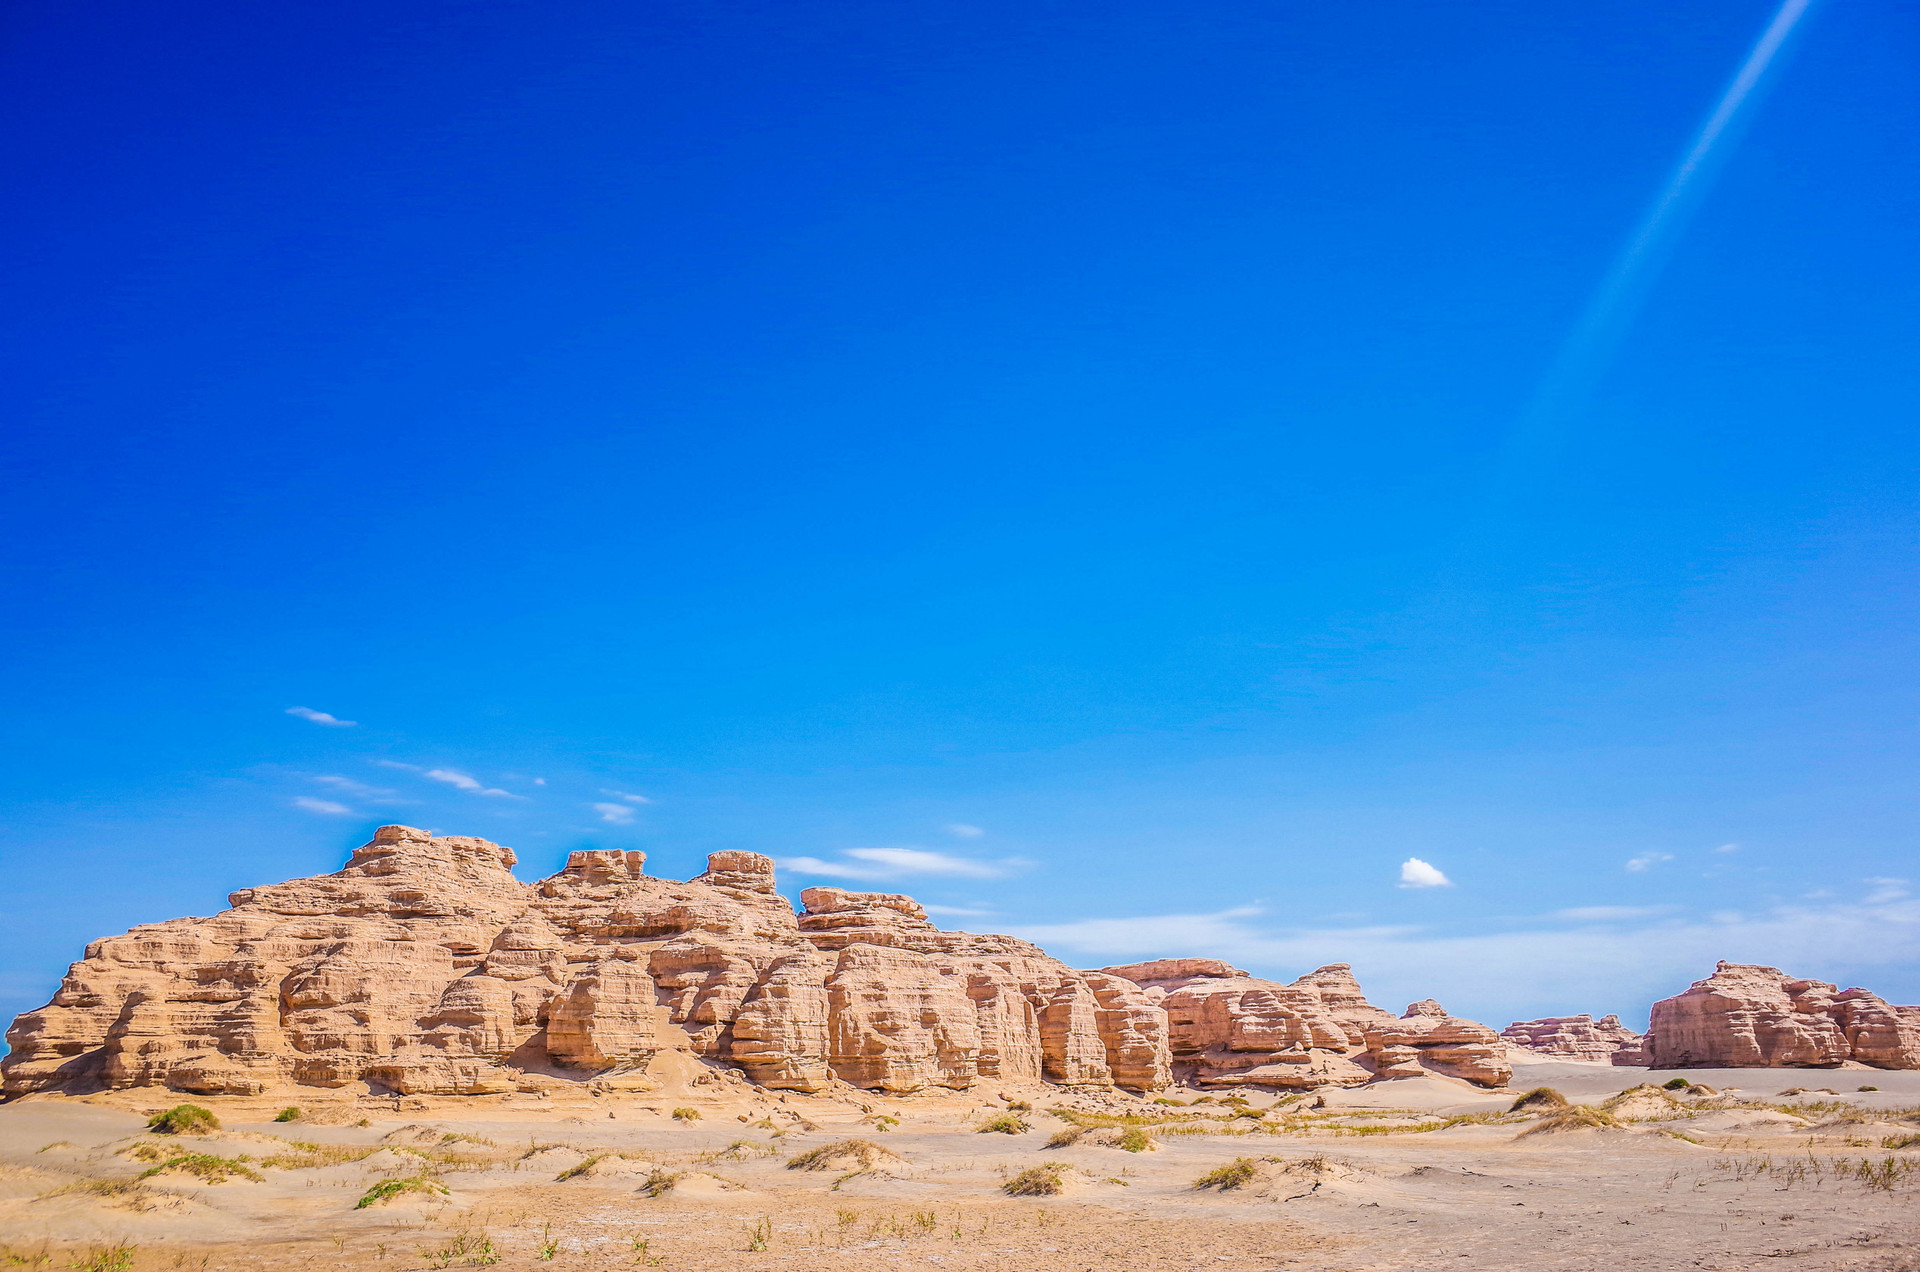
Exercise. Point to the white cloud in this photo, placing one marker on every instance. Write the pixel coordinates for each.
(960, 830)
(1646, 861)
(326, 807)
(321, 717)
(1728, 848)
(1885, 890)
(1415, 873)
(895, 863)
(625, 797)
(359, 790)
(466, 782)
(1546, 967)
(956, 911)
(615, 814)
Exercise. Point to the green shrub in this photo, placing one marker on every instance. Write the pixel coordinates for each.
(215, 1170)
(1235, 1174)
(1869, 1088)
(183, 1119)
(1676, 1084)
(1037, 1181)
(1005, 1124)
(387, 1189)
(1135, 1140)
(686, 1115)
(287, 1115)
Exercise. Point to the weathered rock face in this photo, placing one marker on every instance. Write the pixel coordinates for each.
(1602, 1041)
(425, 966)
(1746, 1016)
(1228, 1028)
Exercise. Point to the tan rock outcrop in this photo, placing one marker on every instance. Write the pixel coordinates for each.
(1747, 1016)
(1581, 1037)
(1227, 1028)
(424, 966)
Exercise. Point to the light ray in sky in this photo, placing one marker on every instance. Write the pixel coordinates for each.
(1584, 356)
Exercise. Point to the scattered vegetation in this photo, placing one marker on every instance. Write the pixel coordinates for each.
(387, 1189)
(183, 1119)
(1005, 1124)
(840, 1153)
(549, 1245)
(304, 1156)
(1067, 1138)
(1019, 1106)
(760, 1233)
(1675, 1084)
(660, 1182)
(1037, 1181)
(1135, 1140)
(114, 1258)
(1901, 1141)
(1884, 1175)
(1539, 1098)
(47, 1148)
(214, 1170)
(466, 1248)
(885, 1123)
(1579, 1117)
(579, 1168)
(290, 1114)
(686, 1115)
(1235, 1174)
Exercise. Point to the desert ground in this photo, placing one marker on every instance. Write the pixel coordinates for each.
(703, 1171)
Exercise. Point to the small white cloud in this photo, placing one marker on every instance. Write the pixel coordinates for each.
(1728, 848)
(895, 863)
(539, 781)
(325, 807)
(1885, 890)
(956, 911)
(466, 782)
(960, 830)
(321, 717)
(1415, 873)
(626, 797)
(615, 814)
(1646, 861)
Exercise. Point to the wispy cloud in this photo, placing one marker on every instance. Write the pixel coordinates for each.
(1415, 873)
(358, 790)
(626, 797)
(1606, 913)
(467, 782)
(1647, 861)
(1885, 890)
(956, 911)
(1552, 964)
(897, 863)
(615, 814)
(321, 717)
(960, 830)
(1728, 848)
(325, 807)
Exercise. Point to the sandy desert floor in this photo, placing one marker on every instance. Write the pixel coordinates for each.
(1416, 1174)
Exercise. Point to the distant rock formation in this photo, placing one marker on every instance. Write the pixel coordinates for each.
(1746, 1016)
(424, 966)
(1602, 1041)
(1228, 1028)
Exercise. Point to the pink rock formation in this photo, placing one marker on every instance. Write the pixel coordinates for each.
(1228, 1028)
(1746, 1016)
(1602, 1041)
(425, 966)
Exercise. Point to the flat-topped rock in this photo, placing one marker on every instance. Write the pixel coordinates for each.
(1749, 1016)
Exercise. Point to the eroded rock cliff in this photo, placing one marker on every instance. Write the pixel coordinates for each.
(1227, 1028)
(424, 966)
(1602, 1041)
(1747, 1016)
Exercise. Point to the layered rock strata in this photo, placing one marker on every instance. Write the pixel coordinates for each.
(1747, 1016)
(424, 966)
(1602, 1041)
(1227, 1028)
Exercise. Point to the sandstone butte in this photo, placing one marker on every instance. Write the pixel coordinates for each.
(424, 967)
(1226, 1028)
(1746, 1016)
(1602, 1041)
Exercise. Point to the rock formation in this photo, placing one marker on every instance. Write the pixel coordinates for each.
(1228, 1028)
(424, 966)
(1746, 1016)
(1602, 1041)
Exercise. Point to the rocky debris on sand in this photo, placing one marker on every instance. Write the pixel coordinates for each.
(1228, 1028)
(1747, 1016)
(424, 967)
(1602, 1041)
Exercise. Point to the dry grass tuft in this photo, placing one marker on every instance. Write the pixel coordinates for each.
(1237, 1173)
(843, 1153)
(1579, 1117)
(1037, 1181)
(1539, 1098)
(1005, 1124)
(184, 1119)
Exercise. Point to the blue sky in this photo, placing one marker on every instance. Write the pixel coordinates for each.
(1071, 463)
